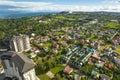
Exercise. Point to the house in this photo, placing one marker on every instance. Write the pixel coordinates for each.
(76, 77)
(104, 77)
(116, 61)
(93, 21)
(68, 70)
(95, 73)
(50, 74)
(44, 38)
(108, 65)
(55, 51)
(92, 60)
(96, 55)
(100, 63)
(33, 34)
(32, 55)
(64, 43)
(55, 45)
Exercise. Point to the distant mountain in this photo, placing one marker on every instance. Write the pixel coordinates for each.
(16, 14)
(99, 12)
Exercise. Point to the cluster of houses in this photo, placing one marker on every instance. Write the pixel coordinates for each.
(94, 43)
(68, 37)
(77, 56)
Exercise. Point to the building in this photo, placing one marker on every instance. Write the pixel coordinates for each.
(20, 43)
(116, 61)
(104, 77)
(18, 66)
(68, 70)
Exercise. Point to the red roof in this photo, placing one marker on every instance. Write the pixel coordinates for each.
(68, 70)
(55, 45)
(63, 43)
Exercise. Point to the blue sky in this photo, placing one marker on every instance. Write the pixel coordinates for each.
(66, 2)
(59, 5)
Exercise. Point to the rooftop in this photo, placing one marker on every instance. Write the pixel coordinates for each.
(21, 61)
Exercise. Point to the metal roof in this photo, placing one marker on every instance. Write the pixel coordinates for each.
(23, 63)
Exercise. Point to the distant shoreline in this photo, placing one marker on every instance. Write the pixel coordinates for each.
(20, 15)
(13, 15)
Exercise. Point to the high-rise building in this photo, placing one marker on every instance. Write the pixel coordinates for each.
(18, 66)
(20, 43)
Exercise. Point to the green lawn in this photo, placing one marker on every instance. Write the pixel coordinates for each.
(62, 17)
(112, 25)
(91, 37)
(108, 45)
(57, 69)
(47, 44)
(60, 32)
(44, 77)
(59, 56)
(27, 53)
(118, 49)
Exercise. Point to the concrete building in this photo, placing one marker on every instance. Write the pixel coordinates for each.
(18, 66)
(20, 43)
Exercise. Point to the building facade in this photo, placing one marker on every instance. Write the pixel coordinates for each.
(18, 66)
(20, 43)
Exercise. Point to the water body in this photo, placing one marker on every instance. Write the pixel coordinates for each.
(14, 14)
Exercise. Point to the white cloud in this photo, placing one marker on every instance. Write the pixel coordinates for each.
(39, 6)
(24, 4)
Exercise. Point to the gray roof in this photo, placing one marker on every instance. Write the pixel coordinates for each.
(117, 61)
(23, 63)
(104, 77)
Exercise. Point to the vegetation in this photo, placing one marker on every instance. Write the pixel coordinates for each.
(57, 69)
(76, 31)
(87, 68)
(112, 25)
(116, 74)
(118, 49)
(44, 77)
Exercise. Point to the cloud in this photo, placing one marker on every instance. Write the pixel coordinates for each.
(24, 4)
(40, 6)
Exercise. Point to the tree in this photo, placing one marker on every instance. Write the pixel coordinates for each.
(116, 73)
(58, 77)
(2, 35)
(40, 68)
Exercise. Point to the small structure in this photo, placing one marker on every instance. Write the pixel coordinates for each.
(100, 63)
(116, 61)
(104, 77)
(50, 74)
(33, 55)
(95, 73)
(68, 70)
(76, 77)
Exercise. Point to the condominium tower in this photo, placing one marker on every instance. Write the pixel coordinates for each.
(20, 43)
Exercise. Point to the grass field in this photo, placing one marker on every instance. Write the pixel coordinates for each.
(57, 69)
(64, 18)
(44, 77)
(112, 25)
(118, 49)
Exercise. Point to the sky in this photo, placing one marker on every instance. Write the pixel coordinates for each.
(59, 5)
